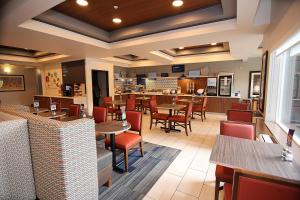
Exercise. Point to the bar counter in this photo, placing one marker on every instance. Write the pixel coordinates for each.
(217, 104)
(65, 101)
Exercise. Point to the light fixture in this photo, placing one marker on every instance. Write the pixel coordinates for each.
(7, 69)
(117, 20)
(181, 48)
(213, 44)
(177, 3)
(82, 2)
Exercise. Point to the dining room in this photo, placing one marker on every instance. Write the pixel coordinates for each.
(152, 100)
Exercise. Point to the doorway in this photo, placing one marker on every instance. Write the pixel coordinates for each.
(100, 86)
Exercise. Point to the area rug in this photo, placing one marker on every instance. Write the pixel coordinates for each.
(142, 175)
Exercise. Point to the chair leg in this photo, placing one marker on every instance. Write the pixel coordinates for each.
(217, 185)
(151, 122)
(192, 115)
(186, 131)
(142, 149)
(190, 126)
(156, 122)
(201, 116)
(112, 116)
(126, 160)
(108, 183)
(204, 114)
(165, 124)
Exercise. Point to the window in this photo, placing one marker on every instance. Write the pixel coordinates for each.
(284, 89)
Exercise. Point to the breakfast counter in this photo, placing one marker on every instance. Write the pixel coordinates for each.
(217, 104)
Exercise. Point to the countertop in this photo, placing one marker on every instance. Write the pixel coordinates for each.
(55, 96)
(181, 95)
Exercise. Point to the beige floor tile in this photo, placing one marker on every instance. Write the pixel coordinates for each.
(192, 182)
(182, 196)
(165, 187)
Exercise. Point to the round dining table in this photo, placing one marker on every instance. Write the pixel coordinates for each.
(112, 128)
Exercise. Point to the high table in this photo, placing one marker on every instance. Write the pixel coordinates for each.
(40, 110)
(171, 107)
(141, 99)
(255, 157)
(112, 128)
(50, 115)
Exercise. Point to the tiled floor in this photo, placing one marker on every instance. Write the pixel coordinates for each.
(190, 176)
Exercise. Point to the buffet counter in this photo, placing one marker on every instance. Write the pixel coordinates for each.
(217, 104)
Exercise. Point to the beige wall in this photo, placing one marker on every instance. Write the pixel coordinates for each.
(95, 64)
(21, 97)
(50, 88)
(240, 69)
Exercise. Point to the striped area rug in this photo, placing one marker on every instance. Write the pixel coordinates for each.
(142, 175)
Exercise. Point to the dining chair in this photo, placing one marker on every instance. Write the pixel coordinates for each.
(200, 109)
(233, 129)
(155, 115)
(130, 104)
(107, 102)
(100, 115)
(240, 115)
(74, 110)
(146, 104)
(240, 106)
(129, 139)
(137, 103)
(183, 120)
(247, 186)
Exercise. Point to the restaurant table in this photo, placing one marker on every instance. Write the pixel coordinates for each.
(196, 101)
(256, 157)
(50, 115)
(171, 107)
(112, 128)
(40, 110)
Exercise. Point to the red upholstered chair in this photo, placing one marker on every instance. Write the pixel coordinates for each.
(130, 104)
(200, 109)
(233, 129)
(107, 102)
(127, 140)
(100, 114)
(137, 103)
(240, 115)
(249, 187)
(74, 110)
(183, 120)
(146, 104)
(240, 106)
(158, 117)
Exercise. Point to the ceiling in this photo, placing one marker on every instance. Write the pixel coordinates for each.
(45, 29)
(130, 57)
(132, 12)
(22, 52)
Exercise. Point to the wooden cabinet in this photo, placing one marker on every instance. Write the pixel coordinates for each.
(45, 101)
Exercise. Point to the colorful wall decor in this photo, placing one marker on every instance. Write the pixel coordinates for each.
(10, 83)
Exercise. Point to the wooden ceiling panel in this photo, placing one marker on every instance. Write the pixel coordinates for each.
(132, 12)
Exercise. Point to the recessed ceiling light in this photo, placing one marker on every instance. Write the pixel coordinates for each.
(82, 2)
(177, 3)
(181, 48)
(213, 44)
(117, 20)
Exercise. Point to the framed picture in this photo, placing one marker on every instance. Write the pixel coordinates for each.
(10, 83)
(254, 84)
(262, 95)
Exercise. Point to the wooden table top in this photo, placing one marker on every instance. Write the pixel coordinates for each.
(171, 106)
(142, 98)
(190, 100)
(119, 102)
(40, 110)
(111, 127)
(50, 115)
(254, 157)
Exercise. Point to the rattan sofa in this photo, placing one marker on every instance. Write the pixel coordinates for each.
(64, 156)
(16, 175)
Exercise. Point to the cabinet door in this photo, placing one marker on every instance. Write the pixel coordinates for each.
(214, 104)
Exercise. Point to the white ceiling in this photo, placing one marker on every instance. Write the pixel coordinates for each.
(244, 34)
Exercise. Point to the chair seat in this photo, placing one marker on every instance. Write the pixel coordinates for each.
(227, 191)
(160, 116)
(197, 109)
(125, 140)
(111, 110)
(224, 174)
(177, 118)
(104, 158)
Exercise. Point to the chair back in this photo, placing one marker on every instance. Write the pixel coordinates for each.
(189, 110)
(238, 129)
(153, 98)
(248, 187)
(107, 100)
(135, 120)
(74, 110)
(132, 96)
(239, 106)
(100, 114)
(153, 107)
(204, 105)
(240, 115)
(130, 104)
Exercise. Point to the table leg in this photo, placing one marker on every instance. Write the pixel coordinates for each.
(113, 150)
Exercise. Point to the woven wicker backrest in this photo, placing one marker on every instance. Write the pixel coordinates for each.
(16, 107)
(64, 157)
